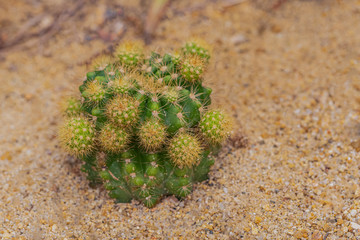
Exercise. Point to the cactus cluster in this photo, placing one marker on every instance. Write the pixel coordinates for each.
(143, 125)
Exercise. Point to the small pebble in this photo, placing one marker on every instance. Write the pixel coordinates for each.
(238, 39)
(355, 225)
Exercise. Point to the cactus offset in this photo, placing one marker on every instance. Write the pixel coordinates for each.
(71, 106)
(143, 126)
(184, 150)
(77, 135)
(215, 126)
(113, 139)
(192, 68)
(199, 48)
(129, 53)
(152, 135)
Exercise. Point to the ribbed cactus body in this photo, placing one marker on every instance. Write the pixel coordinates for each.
(143, 127)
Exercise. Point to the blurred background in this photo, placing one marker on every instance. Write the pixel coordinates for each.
(287, 70)
(49, 44)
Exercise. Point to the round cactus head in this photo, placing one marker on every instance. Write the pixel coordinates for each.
(171, 94)
(101, 62)
(152, 135)
(71, 106)
(184, 150)
(192, 68)
(113, 138)
(77, 136)
(121, 84)
(129, 53)
(94, 92)
(215, 126)
(148, 84)
(123, 110)
(198, 47)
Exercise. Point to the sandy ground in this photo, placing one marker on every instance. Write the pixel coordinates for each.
(290, 76)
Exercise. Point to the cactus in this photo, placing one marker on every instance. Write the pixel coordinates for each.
(143, 126)
(78, 136)
(129, 53)
(199, 48)
(215, 126)
(71, 106)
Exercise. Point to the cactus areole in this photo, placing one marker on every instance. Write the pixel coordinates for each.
(143, 125)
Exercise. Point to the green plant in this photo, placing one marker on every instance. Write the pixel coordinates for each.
(143, 125)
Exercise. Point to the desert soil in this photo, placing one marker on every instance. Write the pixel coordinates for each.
(288, 71)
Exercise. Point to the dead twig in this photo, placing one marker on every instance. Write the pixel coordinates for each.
(270, 5)
(238, 140)
(232, 3)
(278, 4)
(22, 32)
(155, 13)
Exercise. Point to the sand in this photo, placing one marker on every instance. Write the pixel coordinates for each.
(289, 74)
